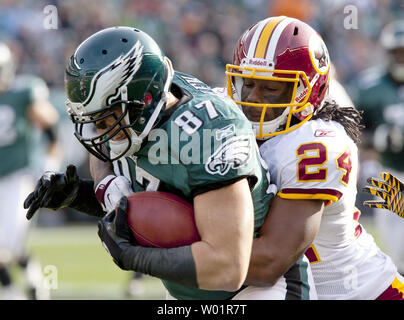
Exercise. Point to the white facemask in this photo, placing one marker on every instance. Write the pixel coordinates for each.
(119, 147)
(271, 126)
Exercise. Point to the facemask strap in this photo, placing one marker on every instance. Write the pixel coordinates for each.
(271, 126)
(238, 84)
(163, 100)
(124, 97)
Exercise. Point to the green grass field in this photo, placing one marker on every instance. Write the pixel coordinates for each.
(84, 270)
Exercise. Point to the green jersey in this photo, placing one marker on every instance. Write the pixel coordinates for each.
(382, 101)
(16, 132)
(203, 143)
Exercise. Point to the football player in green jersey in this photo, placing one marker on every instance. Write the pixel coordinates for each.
(380, 95)
(24, 105)
(185, 152)
(166, 131)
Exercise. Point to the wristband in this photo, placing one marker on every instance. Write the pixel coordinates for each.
(51, 133)
(85, 200)
(102, 187)
(173, 264)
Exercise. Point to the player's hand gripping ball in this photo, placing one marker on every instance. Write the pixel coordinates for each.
(161, 219)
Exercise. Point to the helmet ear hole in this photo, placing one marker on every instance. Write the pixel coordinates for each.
(320, 91)
(135, 110)
(147, 99)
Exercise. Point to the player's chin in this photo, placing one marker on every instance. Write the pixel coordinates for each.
(252, 113)
(121, 135)
(119, 138)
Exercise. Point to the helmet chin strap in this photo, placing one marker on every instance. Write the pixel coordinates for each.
(267, 126)
(270, 126)
(119, 147)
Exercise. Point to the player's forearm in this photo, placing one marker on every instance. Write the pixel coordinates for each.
(217, 270)
(86, 201)
(99, 169)
(174, 264)
(226, 230)
(267, 264)
(178, 265)
(288, 230)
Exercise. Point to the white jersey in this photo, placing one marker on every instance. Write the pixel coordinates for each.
(319, 161)
(14, 227)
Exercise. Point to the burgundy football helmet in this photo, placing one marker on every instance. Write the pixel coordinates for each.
(281, 49)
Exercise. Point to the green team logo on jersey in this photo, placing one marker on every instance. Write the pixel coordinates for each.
(231, 155)
(219, 149)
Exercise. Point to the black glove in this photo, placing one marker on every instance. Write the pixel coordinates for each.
(114, 232)
(174, 264)
(53, 191)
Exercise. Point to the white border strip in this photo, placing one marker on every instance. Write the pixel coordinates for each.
(254, 40)
(276, 33)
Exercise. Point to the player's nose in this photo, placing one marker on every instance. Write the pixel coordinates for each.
(103, 125)
(254, 96)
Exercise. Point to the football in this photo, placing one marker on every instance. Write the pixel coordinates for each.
(161, 219)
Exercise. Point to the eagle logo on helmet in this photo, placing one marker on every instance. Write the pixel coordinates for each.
(107, 83)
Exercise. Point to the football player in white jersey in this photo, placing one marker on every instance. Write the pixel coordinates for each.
(280, 78)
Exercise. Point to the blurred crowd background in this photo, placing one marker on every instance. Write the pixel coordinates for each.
(198, 36)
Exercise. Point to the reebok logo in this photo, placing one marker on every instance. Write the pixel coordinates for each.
(324, 133)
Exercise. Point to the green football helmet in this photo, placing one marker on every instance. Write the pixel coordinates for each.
(118, 67)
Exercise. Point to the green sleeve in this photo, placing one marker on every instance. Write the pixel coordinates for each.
(227, 155)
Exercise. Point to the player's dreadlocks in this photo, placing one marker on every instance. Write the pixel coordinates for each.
(348, 117)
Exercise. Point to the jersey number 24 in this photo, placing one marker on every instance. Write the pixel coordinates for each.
(313, 157)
